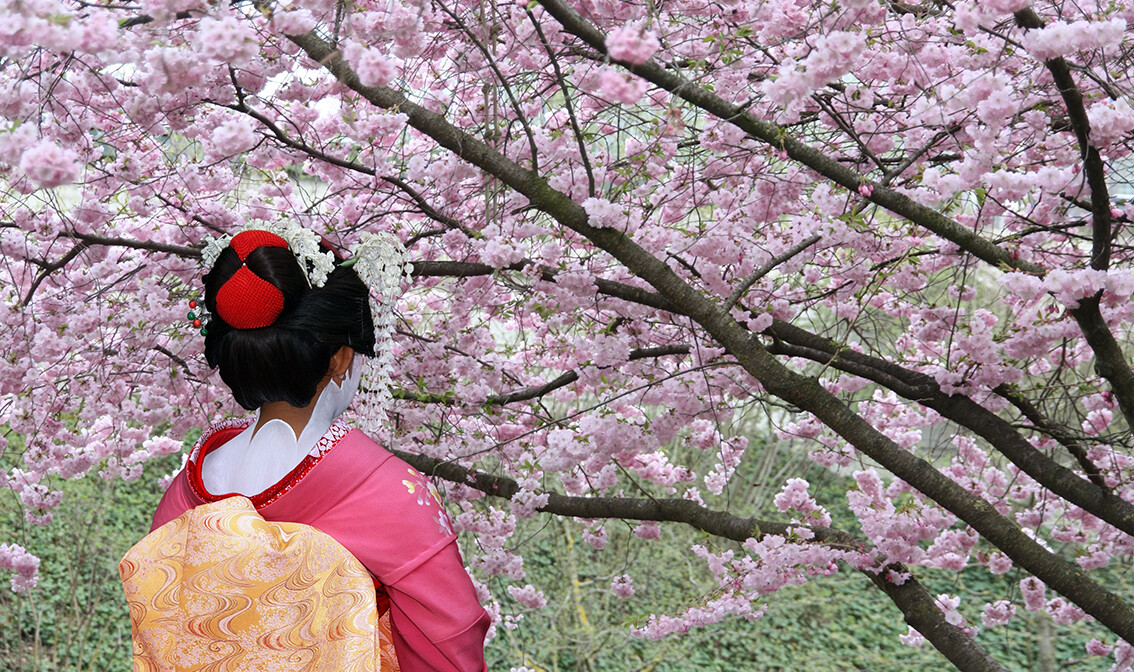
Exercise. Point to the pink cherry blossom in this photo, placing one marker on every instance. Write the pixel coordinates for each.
(1123, 657)
(622, 585)
(794, 497)
(233, 136)
(1007, 6)
(1110, 121)
(632, 43)
(374, 68)
(998, 563)
(528, 596)
(228, 40)
(620, 87)
(1061, 38)
(912, 638)
(1063, 612)
(23, 565)
(602, 213)
(647, 530)
(293, 21)
(48, 165)
(1097, 648)
(1034, 593)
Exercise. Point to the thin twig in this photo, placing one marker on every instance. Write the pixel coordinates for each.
(767, 268)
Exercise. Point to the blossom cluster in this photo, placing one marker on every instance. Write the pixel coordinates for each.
(23, 565)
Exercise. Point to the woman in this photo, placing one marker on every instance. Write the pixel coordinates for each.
(292, 349)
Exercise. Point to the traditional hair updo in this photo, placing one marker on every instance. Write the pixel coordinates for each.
(272, 336)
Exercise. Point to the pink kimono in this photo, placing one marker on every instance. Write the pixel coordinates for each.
(389, 517)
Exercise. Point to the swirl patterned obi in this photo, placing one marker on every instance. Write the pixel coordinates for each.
(223, 589)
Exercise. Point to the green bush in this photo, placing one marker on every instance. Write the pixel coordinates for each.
(76, 618)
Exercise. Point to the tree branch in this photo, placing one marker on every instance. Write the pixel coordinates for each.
(91, 239)
(1065, 438)
(1110, 361)
(567, 104)
(611, 288)
(47, 268)
(1092, 161)
(916, 604)
(766, 269)
(915, 386)
(298, 145)
(490, 59)
(177, 359)
(526, 394)
(1000, 434)
(774, 135)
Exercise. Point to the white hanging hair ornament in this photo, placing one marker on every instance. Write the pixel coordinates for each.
(380, 261)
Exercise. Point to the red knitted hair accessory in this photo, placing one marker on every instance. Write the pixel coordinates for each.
(247, 301)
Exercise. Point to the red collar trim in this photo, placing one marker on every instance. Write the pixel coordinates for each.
(222, 432)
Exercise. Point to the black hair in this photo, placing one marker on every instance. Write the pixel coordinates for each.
(286, 360)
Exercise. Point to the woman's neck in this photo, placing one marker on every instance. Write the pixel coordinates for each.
(295, 416)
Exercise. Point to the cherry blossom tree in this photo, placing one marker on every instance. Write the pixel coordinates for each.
(892, 234)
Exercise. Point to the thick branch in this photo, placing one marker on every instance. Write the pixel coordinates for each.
(999, 433)
(1092, 161)
(1110, 361)
(917, 605)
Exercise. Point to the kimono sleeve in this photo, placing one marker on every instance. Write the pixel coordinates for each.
(409, 545)
(438, 624)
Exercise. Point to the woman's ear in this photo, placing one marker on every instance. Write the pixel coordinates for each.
(340, 362)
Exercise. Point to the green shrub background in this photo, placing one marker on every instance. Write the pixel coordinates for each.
(77, 619)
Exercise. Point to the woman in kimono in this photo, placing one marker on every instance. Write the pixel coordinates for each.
(291, 350)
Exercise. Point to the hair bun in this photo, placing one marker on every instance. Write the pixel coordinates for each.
(247, 301)
(245, 242)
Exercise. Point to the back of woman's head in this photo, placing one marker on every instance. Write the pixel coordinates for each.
(270, 333)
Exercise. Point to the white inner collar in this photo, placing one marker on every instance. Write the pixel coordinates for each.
(254, 460)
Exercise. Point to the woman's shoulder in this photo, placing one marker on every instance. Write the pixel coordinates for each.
(388, 514)
(381, 465)
(352, 443)
(406, 492)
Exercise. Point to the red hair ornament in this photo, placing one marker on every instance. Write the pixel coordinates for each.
(247, 301)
